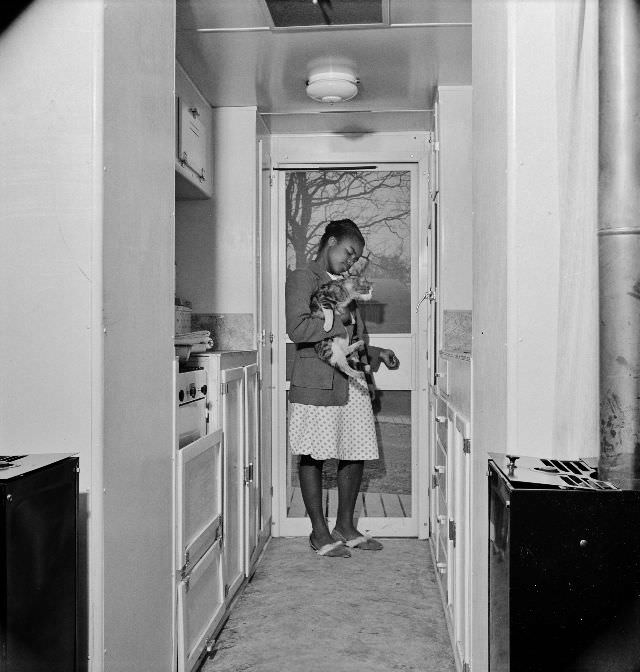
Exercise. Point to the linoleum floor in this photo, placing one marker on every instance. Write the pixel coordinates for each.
(373, 612)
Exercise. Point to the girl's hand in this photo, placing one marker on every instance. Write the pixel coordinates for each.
(389, 358)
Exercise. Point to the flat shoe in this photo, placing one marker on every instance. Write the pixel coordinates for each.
(362, 542)
(335, 550)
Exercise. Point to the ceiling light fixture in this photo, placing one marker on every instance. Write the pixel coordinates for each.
(332, 85)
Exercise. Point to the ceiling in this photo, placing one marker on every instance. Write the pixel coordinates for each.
(237, 56)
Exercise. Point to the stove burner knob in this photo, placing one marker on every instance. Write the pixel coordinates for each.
(203, 389)
(192, 390)
(181, 395)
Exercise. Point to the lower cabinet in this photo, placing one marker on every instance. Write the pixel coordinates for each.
(252, 481)
(218, 535)
(200, 607)
(233, 428)
(198, 556)
(449, 499)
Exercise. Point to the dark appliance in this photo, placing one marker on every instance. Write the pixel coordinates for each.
(38, 563)
(564, 568)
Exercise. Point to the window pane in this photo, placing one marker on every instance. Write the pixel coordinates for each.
(379, 202)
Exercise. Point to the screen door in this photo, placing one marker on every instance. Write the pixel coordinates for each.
(382, 202)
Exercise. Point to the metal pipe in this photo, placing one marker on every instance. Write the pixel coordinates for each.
(619, 240)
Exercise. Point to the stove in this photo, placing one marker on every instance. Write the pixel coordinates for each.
(539, 472)
(191, 402)
(564, 568)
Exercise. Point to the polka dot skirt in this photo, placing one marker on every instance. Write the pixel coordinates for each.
(344, 432)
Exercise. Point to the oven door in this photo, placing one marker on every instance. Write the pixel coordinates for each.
(192, 421)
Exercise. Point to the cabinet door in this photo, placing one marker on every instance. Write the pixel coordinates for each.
(440, 476)
(252, 466)
(462, 546)
(200, 607)
(199, 499)
(232, 399)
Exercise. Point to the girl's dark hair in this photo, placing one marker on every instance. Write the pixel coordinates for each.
(339, 229)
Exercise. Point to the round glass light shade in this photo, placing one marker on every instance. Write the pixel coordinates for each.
(332, 86)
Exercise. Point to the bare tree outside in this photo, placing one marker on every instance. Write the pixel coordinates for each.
(379, 202)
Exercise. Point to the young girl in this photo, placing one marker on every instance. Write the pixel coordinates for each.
(330, 414)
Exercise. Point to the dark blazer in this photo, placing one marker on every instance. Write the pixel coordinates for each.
(313, 381)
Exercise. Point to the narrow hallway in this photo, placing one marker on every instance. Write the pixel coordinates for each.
(374, 611)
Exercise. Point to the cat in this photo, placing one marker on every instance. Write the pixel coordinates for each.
(331, 299)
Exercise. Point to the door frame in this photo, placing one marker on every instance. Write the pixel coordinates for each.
(380, 149)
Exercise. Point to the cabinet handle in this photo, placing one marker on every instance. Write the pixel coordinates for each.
(441, 418)
(194, 112)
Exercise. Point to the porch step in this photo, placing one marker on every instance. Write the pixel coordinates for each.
(369, 504)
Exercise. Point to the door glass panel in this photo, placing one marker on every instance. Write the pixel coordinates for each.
(379, 202)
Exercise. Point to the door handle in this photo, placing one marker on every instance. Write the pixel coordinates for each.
(429, 296)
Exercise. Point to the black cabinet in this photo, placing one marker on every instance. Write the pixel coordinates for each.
(564, 575)
(38, 563)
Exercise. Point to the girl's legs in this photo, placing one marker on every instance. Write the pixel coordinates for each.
(349, 480)
(310, 472)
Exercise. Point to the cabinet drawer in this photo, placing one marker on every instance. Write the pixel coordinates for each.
(200, 607)
(199, 498)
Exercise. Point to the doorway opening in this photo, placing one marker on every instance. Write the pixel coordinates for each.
(383, 201)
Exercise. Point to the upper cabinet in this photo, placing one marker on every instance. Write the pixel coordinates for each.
(194, 158)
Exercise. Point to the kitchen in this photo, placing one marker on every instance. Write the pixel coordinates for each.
(93, 245)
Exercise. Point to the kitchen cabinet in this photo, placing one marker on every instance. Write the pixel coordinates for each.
(450, 517)
(198, 546)
(193, 140)
(252, 480)
(233, 427)
(217, 503)
(233, 384)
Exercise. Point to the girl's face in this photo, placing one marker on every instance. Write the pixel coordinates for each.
(342, 254)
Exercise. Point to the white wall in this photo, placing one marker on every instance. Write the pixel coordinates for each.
(50, 259)
(454, 135)
(534, 262)
(50, 217)
(215, 239)
(139, 326)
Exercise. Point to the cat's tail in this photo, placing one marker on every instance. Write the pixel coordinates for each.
(342, 363)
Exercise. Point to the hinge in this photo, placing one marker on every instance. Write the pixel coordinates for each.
(271, 180)
(226, 589)
(434, 481)
(248, 473)
(272, 491)
(270, 337)
(466, 667)
(452, 531)
(436, 146)
(224, 388)
(186, 567)
(466, 446)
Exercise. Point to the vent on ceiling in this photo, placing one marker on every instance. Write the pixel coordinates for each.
(298, 13)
